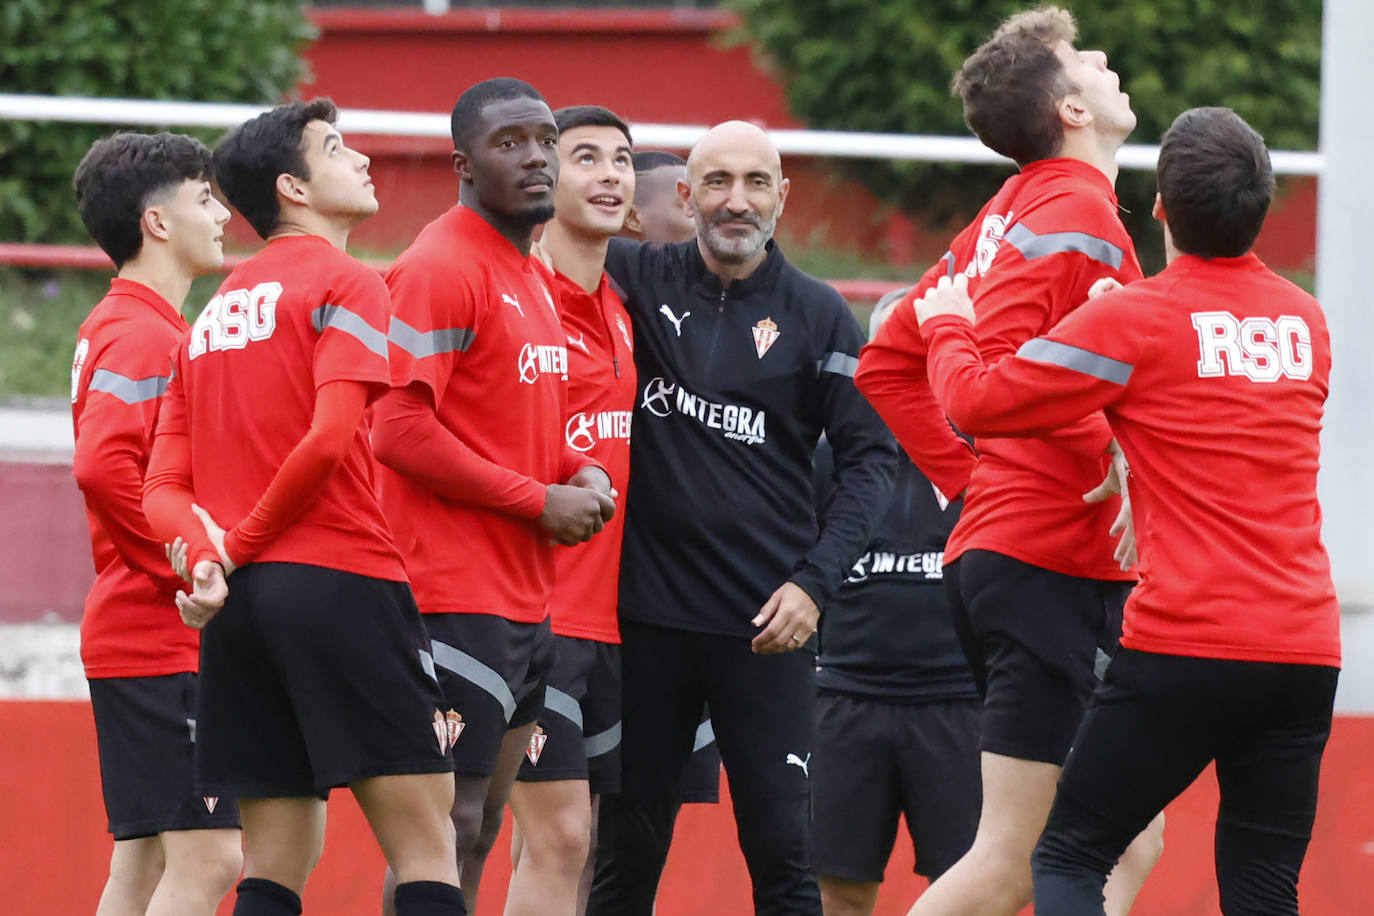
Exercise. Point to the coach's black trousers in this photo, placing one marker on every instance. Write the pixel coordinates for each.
(1153, 726)
(763, 710)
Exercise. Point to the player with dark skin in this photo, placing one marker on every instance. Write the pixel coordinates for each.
(507, 164)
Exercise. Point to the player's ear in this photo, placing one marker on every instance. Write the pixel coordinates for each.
(1073, 111)
(1157, 211)
(153, 223)
(784, 185)
(291, 188)
(684, 194)
(462, 165)
(632, 222)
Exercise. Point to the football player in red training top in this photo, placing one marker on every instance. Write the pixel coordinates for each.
(1212, 375)
(146, 200)
(317, 673)
(1035, 591)
(574, 754)
(476, 478)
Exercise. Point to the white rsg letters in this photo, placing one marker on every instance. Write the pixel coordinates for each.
(232, 319)
(1261, 349)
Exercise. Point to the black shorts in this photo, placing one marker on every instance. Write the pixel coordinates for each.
(701, 772)
(312, 678)
(578, 735)
(145, 728)
(875, 760)
(1037, 642)
(492, 673)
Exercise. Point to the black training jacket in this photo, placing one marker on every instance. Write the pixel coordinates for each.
(736, 386)
(886, 633)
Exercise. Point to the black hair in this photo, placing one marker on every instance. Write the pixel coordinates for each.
(590, 116)
(123, 174)
(652, 159)
(467, 111)
(1215, 182)
(249, 159)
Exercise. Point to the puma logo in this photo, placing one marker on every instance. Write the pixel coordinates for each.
(511, 300)
(677, 322)
(794, 760)
(580, 342)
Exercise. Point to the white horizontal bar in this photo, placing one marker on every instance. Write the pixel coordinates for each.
(825, 143)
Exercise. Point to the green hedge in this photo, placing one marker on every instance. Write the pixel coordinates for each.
(201, 50)
(861, 65)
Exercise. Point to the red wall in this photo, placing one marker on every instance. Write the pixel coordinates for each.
(656, 66)
(45, 547)
(56, 850)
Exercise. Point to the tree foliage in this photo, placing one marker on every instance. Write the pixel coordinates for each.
(200, 50)
(886, 66)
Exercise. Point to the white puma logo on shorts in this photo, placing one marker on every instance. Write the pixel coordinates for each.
(794, 760)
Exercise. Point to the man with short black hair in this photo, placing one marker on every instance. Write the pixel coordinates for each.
(146, 200)
(1212, 375)
(744, 361)
(574, 755)
(897, 712)
(476, 477)
(317, 674)
(1035, 591)
(658, 214)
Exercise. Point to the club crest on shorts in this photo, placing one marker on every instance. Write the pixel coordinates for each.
(536, 748)
(211, 802)
(447, 728)
(766, 334)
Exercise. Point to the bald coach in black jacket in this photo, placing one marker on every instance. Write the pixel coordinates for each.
(743, 362)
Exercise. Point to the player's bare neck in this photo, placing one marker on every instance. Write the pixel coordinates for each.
(514, 230)
(578, 256)
(311, 223)
(158, 270)
(1099, 152)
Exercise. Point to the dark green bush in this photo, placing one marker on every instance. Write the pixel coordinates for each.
(886, 66)
(199, 50)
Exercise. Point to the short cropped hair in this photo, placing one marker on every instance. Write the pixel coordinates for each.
(125, 173)
(1011, 86)
(1215, 181)
(467, 111)
(248, 160)
(590, 116)
(652, 159)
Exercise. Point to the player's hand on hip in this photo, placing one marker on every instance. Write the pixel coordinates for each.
(1117, 482)
(216, 534)
(1105, 285)
(947, 297)
(574, 514)
(788, 618)
(177, 555)
(208, 593)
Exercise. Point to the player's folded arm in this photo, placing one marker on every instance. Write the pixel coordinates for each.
(408, 438)
(1046, 385)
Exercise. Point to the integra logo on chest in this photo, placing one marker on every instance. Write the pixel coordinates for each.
(536, 360)
(735, 422)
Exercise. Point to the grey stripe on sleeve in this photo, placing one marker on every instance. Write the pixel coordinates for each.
(430, 343)
(128, 390)
(557, 701)
(838, 363)
(1044, 350)
(602, 742)
(350, 323)
(706, 733)
(1034, 246)
(475, 673)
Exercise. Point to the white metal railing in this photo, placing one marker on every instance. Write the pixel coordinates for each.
(824, 143)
